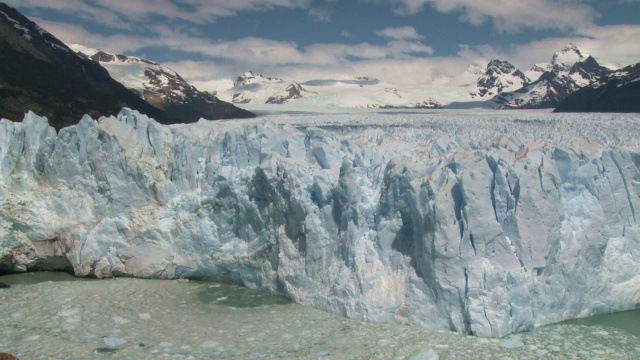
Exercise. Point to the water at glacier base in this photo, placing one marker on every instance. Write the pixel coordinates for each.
(56, 316)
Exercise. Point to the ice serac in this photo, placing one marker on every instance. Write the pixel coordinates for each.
(484, 225)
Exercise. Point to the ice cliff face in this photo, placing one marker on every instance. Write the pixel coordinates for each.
(486, 225)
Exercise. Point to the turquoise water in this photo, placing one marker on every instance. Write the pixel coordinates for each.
(628, 321)
(32, 278)
(238, 296)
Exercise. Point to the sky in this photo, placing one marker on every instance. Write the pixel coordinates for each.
(407, 42)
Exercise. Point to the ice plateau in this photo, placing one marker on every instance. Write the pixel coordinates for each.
(486, 224)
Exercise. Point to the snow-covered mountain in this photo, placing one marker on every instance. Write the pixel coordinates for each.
(560, 62)
(569, 70)
(499, 84)
(156, 84)
(257, 89)
(160, 86)
(499, 76)
(365, 92)
(483, 223)
(618, 91)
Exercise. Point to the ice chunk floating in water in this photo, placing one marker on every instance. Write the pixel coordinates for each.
(483, 224)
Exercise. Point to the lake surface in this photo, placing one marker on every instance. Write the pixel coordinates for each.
(56, 316)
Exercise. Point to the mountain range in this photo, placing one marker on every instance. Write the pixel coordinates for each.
(42, 74)
(499, 84)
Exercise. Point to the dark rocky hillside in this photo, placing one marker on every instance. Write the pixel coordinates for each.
(616, 92)
(40, 73)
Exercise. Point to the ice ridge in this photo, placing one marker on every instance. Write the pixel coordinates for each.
(485, 224)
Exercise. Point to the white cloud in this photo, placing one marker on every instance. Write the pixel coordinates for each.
(128, 13)
(401, 61)
(346, 34)
(245, 51)
(321, 15)
(511, 15)
(400, 33)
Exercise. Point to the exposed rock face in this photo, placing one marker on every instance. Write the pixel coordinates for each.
(618, 91)
(291, 92)
(426, 104)
(483, 226)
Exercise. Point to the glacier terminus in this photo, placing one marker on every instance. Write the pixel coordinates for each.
(484, 223)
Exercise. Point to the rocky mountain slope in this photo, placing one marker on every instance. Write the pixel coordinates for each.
(569, 70)
(41, 73)
(162, 87)
(499, 76)
(618, 91)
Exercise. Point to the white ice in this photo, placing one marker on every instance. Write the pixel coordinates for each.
(485, 223)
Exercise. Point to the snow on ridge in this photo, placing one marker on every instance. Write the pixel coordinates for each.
(83, 49)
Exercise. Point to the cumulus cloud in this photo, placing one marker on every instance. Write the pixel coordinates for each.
(400, 33)
(509, 15)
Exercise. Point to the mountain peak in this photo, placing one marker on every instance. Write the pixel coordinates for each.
(249, 77)
(499, 63)
(499, 76)
(567, 57)
(562, 61)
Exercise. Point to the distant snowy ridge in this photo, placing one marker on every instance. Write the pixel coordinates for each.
(255, 88)
(363, 92)
(484, 225)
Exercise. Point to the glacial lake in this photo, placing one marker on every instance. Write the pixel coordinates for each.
(57, 316)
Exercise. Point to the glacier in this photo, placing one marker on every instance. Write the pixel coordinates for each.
(484, 223)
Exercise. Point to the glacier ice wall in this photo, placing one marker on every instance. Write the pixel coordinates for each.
(484, 226)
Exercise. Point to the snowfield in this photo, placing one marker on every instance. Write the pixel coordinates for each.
(483, 222)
